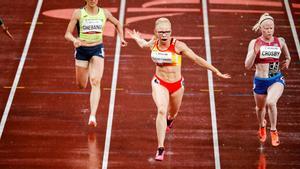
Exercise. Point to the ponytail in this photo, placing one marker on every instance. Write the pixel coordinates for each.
(262, 18)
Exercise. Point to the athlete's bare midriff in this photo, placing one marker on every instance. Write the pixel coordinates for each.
(262, 70)
(169, 74)
(88, 44)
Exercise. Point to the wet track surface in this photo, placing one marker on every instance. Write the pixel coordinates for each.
(47, 123)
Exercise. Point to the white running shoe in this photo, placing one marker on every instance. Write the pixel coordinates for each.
(92, 121)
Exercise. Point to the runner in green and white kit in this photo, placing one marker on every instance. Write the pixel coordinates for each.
(89, 52)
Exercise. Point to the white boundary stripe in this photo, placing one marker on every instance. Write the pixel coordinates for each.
(113, 90)
(211, 87)
(20, 67)
(291, 20)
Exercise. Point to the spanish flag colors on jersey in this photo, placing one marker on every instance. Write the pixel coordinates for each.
(167, 57)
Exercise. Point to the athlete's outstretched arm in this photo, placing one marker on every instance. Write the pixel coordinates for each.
(5, 30)
(117, 25)
(140, 41)
(186, 51)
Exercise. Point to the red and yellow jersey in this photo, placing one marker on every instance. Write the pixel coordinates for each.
(269, 51)
(167, 57)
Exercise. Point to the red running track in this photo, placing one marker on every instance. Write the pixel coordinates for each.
(46, 126)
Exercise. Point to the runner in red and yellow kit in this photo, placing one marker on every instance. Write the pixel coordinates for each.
(167, 83)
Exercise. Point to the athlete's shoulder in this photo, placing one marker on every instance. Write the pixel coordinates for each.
(104, 9)
(106, 12)
(76, 13)
(281, 41)
(180, 46)
(178, 42)
(252, 44)
(78, 10)
(253, 41)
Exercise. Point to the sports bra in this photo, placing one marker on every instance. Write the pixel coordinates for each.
(269, 52)
(167, 57)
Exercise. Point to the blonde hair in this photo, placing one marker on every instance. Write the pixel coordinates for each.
(262, 18)
(162, 21)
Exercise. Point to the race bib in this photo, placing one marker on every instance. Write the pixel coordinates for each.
(161, 57)
(270, 52)
(91, 25)
(273, 69)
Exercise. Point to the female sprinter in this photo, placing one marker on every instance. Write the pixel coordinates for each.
(89, 52)
(167, 83)
(264, 53)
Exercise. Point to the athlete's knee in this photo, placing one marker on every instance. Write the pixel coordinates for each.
(259, 109)
(81, 85)
(95, 82)
(271, 103)
(161, 110)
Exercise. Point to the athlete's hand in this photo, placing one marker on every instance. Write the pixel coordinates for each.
(123, 43)
(134, 34)
(7, 33)
(285, 64)
(224, 76)
(77, 43)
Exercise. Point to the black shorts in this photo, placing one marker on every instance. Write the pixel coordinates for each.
(87, 52)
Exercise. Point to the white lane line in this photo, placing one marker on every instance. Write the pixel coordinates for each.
(292, 24)
(113, 90)
(20, 67)
(211, 87)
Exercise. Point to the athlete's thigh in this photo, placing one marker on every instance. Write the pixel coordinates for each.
(160, 95)
(274, 92)
(96, 67)
(176, 100)
(81, 69)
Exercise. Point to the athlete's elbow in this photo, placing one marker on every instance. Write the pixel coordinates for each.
(66, 36)
(118, 26)
(247, 66)
(197, 61)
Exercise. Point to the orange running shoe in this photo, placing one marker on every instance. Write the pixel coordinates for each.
(262, 133)
(275, 138)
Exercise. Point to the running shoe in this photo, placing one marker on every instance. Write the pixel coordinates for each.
(170, 123)
(92, 121)
(160, 154)
(275, 138)
(262, 133)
